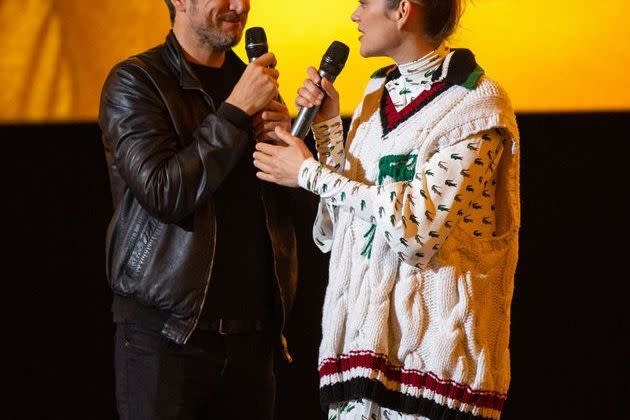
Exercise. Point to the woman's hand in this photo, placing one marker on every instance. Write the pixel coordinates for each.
(281, 164)
(310, 94)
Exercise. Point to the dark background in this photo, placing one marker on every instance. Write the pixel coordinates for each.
(569, 314)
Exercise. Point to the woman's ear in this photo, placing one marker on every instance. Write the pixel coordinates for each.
(403, 13)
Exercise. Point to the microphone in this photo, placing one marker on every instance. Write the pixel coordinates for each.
(255, 43)
(331, 65)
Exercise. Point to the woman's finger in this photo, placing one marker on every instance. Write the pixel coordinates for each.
(313, 74)
(314, 89)
(266, 149)
(265, 160)
(263, 166)
(302, 103)
(307, 94)
(286, 137)
(266, 177)
(329, 89)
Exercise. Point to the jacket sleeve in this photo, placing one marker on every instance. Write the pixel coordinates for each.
(416, 216)
(142, 144)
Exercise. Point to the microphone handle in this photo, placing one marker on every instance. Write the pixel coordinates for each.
(304, 120)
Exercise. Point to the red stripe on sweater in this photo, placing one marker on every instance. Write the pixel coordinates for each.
(393, 117)
(412, 377)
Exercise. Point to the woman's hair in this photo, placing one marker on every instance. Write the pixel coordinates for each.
(171, 10)
(440, 17)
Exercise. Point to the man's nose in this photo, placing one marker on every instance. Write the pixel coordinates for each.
(239, 6)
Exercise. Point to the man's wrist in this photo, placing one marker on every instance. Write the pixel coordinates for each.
(243, 107)
(235, 115)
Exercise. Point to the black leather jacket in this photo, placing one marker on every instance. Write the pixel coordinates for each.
(168, 150)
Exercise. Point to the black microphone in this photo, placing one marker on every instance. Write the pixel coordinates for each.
(331, 65)
(255, 43)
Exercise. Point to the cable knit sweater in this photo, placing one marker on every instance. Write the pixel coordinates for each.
(420, 211)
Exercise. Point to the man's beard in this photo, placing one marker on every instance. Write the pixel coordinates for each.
(211, 36)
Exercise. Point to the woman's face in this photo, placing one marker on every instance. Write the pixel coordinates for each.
(378, 26)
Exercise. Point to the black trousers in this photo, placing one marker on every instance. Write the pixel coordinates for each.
(211, 377)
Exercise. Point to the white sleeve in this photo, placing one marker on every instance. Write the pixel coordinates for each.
(416, 215)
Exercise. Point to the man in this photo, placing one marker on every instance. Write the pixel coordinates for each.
(201, 257)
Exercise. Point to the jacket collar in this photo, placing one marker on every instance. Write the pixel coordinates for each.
(175, 56)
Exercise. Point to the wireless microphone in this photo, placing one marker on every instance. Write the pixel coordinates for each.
(331, 65)
(255, 43)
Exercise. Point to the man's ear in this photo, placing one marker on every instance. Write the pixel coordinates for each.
(180, 5)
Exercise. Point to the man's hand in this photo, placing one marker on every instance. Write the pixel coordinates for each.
(281, 164)
(257, 86)
(274, 115)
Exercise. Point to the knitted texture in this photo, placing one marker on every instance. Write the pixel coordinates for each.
(425, 335)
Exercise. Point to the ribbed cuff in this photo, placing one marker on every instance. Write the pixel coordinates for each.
(328, 140)
(322, 128)
(235, 115)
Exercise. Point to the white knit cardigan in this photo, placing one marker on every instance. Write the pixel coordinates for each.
(430, 340)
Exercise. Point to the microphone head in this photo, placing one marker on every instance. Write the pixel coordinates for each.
(255, 42)
(335, 58)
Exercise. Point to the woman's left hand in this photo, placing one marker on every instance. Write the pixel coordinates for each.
(281, 164)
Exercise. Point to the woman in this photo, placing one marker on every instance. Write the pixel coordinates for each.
(420, 211)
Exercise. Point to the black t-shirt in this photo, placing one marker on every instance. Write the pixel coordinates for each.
(242, 279)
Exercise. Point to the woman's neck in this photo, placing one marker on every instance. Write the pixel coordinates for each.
(412, 48)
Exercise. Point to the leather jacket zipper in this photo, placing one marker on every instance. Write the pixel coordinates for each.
(214, 238)
(205, 292)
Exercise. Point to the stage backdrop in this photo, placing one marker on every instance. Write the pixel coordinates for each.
(566, 55)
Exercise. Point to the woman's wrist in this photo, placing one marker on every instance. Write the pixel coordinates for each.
(306, 173)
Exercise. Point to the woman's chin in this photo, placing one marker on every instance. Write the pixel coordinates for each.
(364, 51)
(367, 53)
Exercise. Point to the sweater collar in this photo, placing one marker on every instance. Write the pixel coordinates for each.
(415, 77)
(415, 69)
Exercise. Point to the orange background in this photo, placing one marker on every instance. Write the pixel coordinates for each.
(550, 56)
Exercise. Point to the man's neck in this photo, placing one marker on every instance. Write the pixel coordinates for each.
(197, 52)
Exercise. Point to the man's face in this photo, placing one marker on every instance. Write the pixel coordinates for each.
(218, 24)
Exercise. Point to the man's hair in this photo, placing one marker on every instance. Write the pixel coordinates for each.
(171, 10)
(440, 17)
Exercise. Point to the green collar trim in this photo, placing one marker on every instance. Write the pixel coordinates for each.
(473, 78)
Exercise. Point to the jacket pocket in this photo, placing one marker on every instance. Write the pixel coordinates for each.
(141, 241)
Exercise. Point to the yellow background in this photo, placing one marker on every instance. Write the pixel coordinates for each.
(551, 56)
